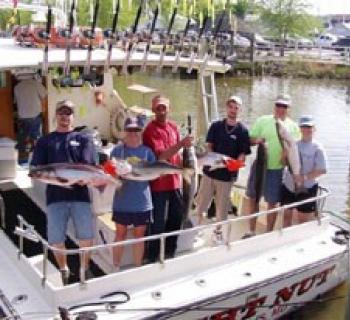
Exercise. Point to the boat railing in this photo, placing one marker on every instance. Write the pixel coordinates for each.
(27, 231)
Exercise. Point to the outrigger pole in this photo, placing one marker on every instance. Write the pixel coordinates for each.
(181, 47)
(46, 35)
(67, 33)
(149, 42)
(210, 51)
(90, 34)
(112, 35)
(166, 40)
(131, 44)
(194, 52)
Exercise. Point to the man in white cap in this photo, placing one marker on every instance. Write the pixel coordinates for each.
(60, 146)
(228, 137)
(264, 130)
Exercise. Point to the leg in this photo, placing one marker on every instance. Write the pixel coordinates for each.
(57, 219)
(84, 226)
(120, 235)
(222, 199)
(305, 216)
(139, 248)
(22, 135)
(174, 220)
(288, 218)
(35, 129)
(204, 197)
(271, 218)
(157, 226)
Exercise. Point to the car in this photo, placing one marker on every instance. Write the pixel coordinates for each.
(300, 42)
(325, 40)
(342, 44)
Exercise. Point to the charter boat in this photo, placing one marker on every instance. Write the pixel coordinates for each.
(262, 277)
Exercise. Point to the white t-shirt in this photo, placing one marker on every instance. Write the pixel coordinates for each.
(312, 156)
(28, 96)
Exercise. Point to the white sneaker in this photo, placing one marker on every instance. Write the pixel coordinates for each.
(218, 237)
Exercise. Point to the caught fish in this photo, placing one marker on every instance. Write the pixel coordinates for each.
(290, 145)
(259, 167)
(68, 174)
(145, 171)
(215, 160)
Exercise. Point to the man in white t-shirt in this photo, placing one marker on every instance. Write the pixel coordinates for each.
(29, 95)
(313, 165)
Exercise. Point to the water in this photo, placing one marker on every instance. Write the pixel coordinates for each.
(328, 101)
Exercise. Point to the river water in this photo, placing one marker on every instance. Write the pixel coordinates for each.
(327, 100)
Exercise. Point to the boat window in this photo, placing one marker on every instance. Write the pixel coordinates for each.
(76, 77)
(3, 83)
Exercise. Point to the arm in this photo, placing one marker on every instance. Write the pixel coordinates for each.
(168, 153)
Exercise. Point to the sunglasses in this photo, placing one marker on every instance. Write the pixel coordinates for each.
(279, 105)
(133, 130)
(65, 112)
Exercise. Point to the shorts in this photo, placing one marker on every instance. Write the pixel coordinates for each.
(272, 185)
(58, 214)
(288, 197)
(132, 218)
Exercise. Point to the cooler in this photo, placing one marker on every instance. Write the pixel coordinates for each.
(8, 158)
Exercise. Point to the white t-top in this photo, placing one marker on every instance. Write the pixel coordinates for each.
(28, 95)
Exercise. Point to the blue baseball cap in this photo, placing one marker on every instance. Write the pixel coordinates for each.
(133, 123)
(306, 121)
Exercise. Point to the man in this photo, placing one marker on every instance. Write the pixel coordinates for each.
(228, 137)
(264, 131)
(313, 165)
(65, 145)
(29, 95)
(163, 137)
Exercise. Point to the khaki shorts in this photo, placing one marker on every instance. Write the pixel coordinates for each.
(210, 188)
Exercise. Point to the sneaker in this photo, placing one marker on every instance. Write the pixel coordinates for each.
(248, 235)
(218, 237)
(65, 276)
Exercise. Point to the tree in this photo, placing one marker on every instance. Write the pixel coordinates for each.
(241, 8)
(287, 17)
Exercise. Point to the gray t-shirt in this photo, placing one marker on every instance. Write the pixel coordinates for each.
(312, 156)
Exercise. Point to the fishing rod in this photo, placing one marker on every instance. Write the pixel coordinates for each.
(131, 44)
(166, 40)
(112, 35)
(212, 43)
(149, 42)
(90, 34)
(180, 48)
(67, 34)
(46, 35)
(194, 52)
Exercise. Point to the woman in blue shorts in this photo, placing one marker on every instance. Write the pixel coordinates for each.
(132, 204)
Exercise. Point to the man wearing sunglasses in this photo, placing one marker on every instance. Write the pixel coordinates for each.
(264, 130)
(60, 146)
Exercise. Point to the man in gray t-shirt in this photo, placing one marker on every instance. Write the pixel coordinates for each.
(313, 165)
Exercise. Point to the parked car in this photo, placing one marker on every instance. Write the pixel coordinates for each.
(300, 42)
(342, 44)
(325, 40)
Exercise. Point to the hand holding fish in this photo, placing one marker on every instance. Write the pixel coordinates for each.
(187, 141)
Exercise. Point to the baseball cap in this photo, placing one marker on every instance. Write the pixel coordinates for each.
(133, 123)
(236, 99)
(283, 99)
(65, 104)
(306, 121)
(160, 101)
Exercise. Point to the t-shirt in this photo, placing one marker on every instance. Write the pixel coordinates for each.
(28, 96)
(265, 127)
(133, 196)
(312, 157)
(230, 141)
(59, 147)
(159, 137)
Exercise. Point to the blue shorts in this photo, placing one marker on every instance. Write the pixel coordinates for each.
(58, 215)
(132, 218)
(272, 186)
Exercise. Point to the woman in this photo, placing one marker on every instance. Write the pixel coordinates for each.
(313, 165)
(132, 204)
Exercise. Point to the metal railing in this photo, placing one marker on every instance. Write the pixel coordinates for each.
(27, 231)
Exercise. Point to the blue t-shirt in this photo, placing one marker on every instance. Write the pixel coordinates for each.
(133, 196)
(59, 147)
(230, 141)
